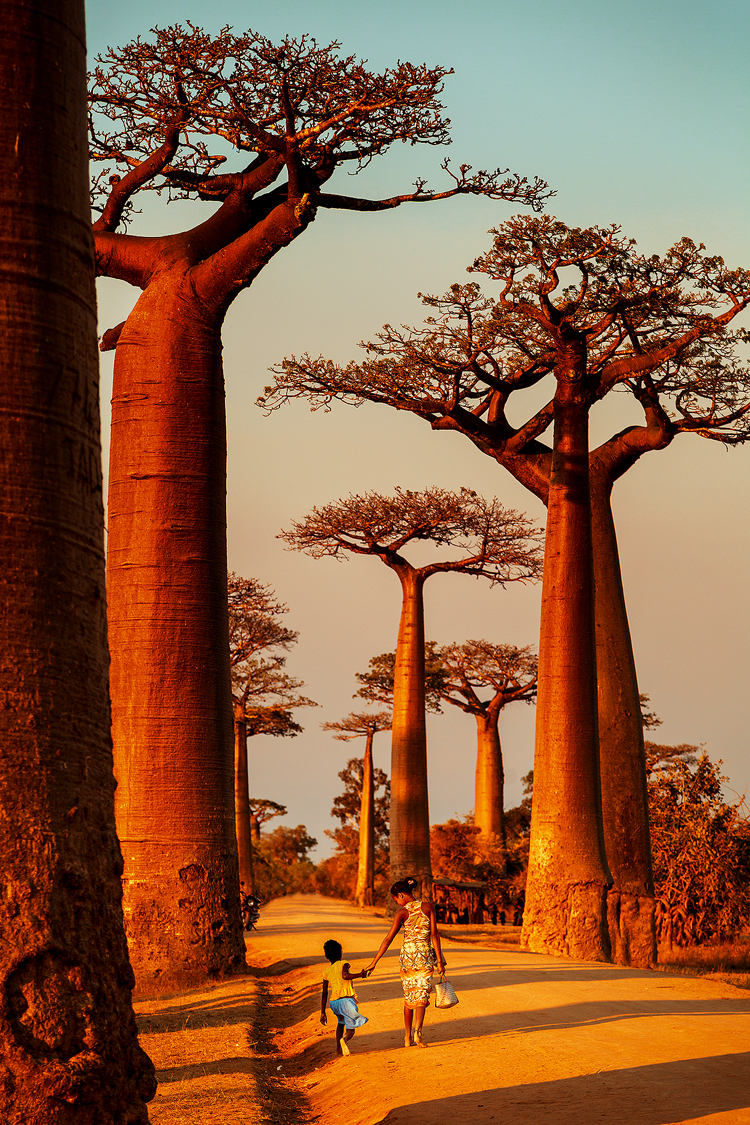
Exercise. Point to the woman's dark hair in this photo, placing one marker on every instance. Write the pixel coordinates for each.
(404, 887)
(333, 951)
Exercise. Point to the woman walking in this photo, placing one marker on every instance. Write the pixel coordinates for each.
(420, 955)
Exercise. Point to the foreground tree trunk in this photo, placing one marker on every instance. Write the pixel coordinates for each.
(566, 897)
(242, 806)
(621, 753)
(366, 869)
(171, 691)
(410, 815)
(68, 1044)
(489, 782)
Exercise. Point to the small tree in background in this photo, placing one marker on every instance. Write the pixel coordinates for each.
(491, 542)
(284, 864)
(263, 693)
(362, 780)
(510, 674)
(376, 686)
(261, 811)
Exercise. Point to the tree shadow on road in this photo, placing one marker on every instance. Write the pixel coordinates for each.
(658, 1094)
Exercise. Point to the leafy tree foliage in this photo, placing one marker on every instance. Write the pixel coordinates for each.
(376, 686)
(283, 864)
(347, 808)
(701, 849)
(261, 811)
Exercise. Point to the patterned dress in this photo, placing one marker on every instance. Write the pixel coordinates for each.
(418, 959)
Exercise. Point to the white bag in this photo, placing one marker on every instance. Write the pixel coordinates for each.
(445, 994)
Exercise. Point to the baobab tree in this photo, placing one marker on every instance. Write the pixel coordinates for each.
(657, 327)
(261, 811)
(165, 110)
(364, 724)
(263, 693)
(376, 686)
(68, 1040)
(510, 674)
(492, 542)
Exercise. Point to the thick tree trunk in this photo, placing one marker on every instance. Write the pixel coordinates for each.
(366, 868)
(171, 692)
(410, 817)
(68, 1047)
(566, 900)
(622, 758)
(489, 780)
(242, 807)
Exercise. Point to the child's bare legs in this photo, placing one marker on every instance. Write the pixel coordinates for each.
(343, 1035)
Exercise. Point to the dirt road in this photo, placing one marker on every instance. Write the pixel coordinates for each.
(534, 1039)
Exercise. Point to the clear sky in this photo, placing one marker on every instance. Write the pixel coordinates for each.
(635, 113)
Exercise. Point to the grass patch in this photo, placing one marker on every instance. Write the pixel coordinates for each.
(728, 962)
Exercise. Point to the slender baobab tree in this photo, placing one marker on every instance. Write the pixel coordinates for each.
(492, 542)
(68, 1042)
(364, 724)
(166, 110)
(261, 811)
(656, 327)
(254, 628)
(510, 674)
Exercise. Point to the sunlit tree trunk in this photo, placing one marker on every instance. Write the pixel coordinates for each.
(366, 868)
(622, 758)
(410, 817)
(242, 804)
(69, 1054)
(566, 898)
(171, 692)
(489, 780)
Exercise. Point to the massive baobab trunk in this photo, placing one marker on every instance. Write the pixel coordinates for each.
(68, 1044)
(242, 806)
(410, 816)
(171, 692)
(621, 754)
(566, 903)
(366, 869)
(489, 782)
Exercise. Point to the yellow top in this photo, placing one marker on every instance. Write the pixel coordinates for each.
(338, 986)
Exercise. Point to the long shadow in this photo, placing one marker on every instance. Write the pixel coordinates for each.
(658, 1094)
(237, 1065)
(458, 1024)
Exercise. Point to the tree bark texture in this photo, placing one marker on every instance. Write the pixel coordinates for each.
(410, 816)
(621, 754)
(366, 869)
(68, 1047)
(566, 898)
(489, 782)
(242, 807)
(171, 691)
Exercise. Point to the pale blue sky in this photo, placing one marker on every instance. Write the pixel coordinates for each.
(635, 113)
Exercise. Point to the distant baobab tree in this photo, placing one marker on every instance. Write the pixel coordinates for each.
(166, 110)
(491, 542)
(364, 724)
(68, 1039)
(657, 327)
(510, 674)
(263, 693)
(261, 811)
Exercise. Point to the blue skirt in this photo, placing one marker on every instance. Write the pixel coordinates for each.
(346, 1011)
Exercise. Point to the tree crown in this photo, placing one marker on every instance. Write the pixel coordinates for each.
(360, 724)
(494, 542)
(168, 110)
(475, 666)
(656, 327)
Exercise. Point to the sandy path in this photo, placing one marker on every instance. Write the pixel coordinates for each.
(534, 1039)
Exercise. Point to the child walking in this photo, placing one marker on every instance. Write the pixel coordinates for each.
(343, 1000)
